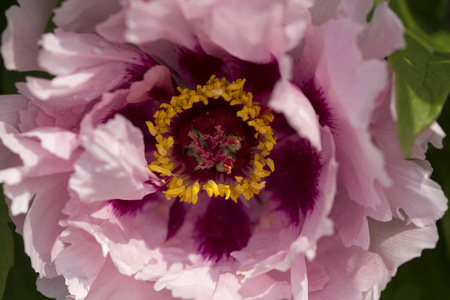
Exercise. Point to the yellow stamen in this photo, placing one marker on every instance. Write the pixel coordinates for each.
(180, 185)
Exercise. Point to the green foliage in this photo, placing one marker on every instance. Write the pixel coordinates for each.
(6, 245)
(422, 75)
(422, 81)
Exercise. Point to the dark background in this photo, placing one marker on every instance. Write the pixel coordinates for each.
(424, 278)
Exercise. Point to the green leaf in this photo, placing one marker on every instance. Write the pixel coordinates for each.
(6, 245)
(422, 85)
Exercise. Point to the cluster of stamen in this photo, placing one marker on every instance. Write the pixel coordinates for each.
(217, 150)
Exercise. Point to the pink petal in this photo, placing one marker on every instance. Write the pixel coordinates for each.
(41, 229)
(26, 23)
(80, 262)
(352, 271)
(52, 287)
(11, 106)
(113, 165)
(68, 52)
(152, 21)
(156, 77)
(112, 285)
(384, 34)
(350, 221)
(83, 15)
(125, 237)
(397, 242)
(298, 111)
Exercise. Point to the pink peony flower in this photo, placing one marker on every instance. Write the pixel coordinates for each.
(212, 150)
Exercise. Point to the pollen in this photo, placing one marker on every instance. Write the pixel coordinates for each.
(214, 151)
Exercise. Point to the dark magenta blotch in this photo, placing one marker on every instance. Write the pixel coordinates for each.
(177, 214)
(318, 102)
(131, 207)
(225, 227)
(295, 181)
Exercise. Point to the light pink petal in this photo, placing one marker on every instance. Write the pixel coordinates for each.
(83, 15)
(26, 23)
(125, 236)
(350, 221)
(53, 287)
(36, 160)
(198, 283)
(350, 83)
(323, 10)
(412, 191)
(299, 279)
(41, 229)
(384, 34)
(67, 52)
(355, 10)
(298, 111)
(114, 28)
(80, 262)
(112, 285)
(77, 90)
(60, 143)
(253, 30)
(263, 287)
(317, 276)
(397, 242)
(11, 106)
(152, 21)
(113, 165)
(352, 271)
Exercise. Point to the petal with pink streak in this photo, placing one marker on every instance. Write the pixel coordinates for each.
(113, 165)
(396, 242)
(26, 23)
(11, 106)
(384, 34)
(80, 262)
(52, 287)
(352, 271)
(129, 235)
(41, 229)
(83, 15)
(298, 111)
(112, 285)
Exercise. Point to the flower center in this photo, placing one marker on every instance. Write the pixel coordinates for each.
(213, 139)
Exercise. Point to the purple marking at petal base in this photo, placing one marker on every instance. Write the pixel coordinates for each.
(318, 101)
(294, 183)
(224, 228)
(131, 207)
(177, 215)
(199, 65)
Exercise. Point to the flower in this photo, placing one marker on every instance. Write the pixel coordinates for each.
(212, 150)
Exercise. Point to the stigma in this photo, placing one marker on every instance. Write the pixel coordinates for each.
(214, 139)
